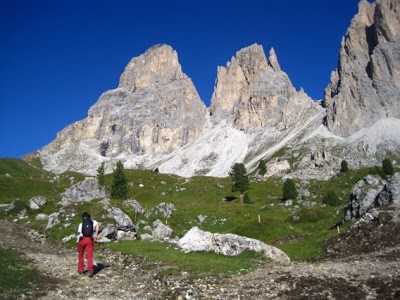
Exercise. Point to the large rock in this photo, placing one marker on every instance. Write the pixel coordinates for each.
(137, 208)
(124, 229)
(158, 231)
(121, 218)
(83, 191)
(363, 196)
(371, 195)
(37, 202)
(227, 244)
(366, 85)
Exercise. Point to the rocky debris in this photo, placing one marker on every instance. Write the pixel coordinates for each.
(107, 233)
(228, 244)
(137, 208)
(365, 86)
(201, 218)
(363, 196)
(84, 191)
(41, 216)
(164, 210)
(158, 231)
(53, 219)
(391, 191)
(374, 200)
(351, 274)
(275, 166)
(37, 202)
(124, 229)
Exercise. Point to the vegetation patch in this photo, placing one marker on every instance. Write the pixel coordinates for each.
(196, 263)
(18, 280)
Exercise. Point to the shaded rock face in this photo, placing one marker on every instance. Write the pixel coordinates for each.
(253, 92)
(156, 109)
(366, 85)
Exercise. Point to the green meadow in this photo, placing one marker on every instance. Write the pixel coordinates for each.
(299, 230)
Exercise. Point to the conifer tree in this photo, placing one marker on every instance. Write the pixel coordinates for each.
(289, 190)
(387, 167)
(262, 168)
(100, 174)
(119, 185)
(241, 180)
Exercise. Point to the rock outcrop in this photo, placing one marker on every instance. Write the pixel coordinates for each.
(83, 191)
(155, 110)
(374, 200)
(366, 85)
(252, 92)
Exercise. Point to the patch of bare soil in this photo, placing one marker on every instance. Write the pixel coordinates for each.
(360, 264)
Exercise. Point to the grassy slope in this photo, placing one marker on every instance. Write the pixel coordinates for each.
(17, 278)
(263, 219)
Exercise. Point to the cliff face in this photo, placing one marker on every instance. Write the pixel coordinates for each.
(252, 92)
(155, 109)
(366, 85)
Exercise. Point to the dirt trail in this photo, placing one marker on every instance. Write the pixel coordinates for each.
(374, 275)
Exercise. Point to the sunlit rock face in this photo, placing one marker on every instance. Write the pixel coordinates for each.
(366, 85)
(155, 109)
(252, 92)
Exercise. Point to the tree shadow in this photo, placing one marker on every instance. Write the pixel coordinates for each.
(230, 198)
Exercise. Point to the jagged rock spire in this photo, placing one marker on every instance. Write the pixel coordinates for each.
(158, 65)
(273, 60)
(252, 92)
(366, 85)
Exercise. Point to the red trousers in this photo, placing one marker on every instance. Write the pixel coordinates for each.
(85, 244)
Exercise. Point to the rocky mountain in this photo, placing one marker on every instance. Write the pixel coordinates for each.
(156, 119)
(252, 92)
(155, 110)
(366, 85)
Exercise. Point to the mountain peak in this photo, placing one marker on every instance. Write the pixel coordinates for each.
(158, 65)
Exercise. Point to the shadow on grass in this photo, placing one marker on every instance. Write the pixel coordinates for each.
(229, 198)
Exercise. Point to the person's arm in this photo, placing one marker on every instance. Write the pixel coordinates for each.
(96, 230)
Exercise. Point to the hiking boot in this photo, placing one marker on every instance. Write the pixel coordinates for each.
(81, 272)
(90, 274)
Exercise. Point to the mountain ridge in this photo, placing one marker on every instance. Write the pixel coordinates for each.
(155, 118)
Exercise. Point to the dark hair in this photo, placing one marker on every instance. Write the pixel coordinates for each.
(85, 215)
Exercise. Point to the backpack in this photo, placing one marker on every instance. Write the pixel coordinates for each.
(87, 227)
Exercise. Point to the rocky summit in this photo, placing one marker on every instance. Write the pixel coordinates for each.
(156, 119)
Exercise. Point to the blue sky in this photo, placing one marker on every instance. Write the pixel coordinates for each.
(58, 57)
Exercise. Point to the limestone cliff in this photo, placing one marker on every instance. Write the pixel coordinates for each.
(155, 109)
(253, 92)
(366, 85)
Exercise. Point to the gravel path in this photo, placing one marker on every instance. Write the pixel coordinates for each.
(371, 275)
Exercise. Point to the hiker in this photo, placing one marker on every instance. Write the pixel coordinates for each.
(88, 231)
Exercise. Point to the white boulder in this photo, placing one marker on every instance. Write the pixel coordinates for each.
(228, 244)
